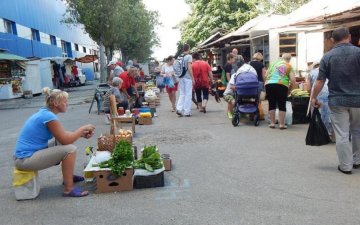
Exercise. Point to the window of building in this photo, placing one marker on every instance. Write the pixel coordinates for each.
(64, 48)
(35, 35)
(10, 27)
(53, 40)
(287, 43)
(76, 47)
(84, 49)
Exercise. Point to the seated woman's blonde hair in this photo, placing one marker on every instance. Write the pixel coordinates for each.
(52, 96)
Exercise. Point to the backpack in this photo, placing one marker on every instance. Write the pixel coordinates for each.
(180, 67)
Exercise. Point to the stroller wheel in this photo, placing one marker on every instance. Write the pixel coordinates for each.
(256, 120)
(235, 120)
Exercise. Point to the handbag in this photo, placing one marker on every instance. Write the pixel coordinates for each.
(317, 133)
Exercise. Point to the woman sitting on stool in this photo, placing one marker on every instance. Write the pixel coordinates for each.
(32, 151)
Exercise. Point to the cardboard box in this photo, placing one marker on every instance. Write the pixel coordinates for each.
(166, 161)
(145, 121)
(108, 182)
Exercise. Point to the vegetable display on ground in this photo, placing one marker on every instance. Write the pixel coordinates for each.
(150, 159)
(122, 157)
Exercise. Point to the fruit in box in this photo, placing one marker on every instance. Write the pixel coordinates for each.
(124, 133)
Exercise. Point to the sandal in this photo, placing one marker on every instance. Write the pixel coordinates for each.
(76, 192)
(272, 126)
(283, 127)
(77, 178)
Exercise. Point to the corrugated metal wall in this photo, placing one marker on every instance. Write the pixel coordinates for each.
(44, 16)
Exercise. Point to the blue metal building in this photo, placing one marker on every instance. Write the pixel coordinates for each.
(33, 29)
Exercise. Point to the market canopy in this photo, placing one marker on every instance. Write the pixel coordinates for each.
(87, 59)
(8, 56)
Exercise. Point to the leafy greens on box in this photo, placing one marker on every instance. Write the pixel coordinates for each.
(150, 159)
(122, 157)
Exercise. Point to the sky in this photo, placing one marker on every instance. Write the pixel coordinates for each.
(171, 12)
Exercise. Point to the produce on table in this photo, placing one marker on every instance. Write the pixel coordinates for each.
(150, 159)
(299, 93)
(122, 157)
(145, 115)
(124, 133)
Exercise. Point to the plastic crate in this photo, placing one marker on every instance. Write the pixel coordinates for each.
(149, 181)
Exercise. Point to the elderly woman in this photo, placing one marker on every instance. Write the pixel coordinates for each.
(279, 78)
(120, 97)
(323, 97)
(32, 151)
(258, 65)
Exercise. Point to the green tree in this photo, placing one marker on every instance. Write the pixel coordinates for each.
(116, 24)
(282, 6)
(208, 15)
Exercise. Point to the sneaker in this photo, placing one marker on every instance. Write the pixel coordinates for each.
(230, 115)
(179, 113)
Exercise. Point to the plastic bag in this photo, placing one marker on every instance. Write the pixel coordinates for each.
(223, 78)
(168, 81)
(21, 177)
(289, 113)
(160, 81)
(317, 133)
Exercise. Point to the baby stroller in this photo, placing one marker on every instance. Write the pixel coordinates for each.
(246, 97)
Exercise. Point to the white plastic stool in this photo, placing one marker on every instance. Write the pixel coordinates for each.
(29, 190)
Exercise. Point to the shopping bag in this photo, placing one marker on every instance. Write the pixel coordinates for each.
(160, 81)
(317, 133)
(223, 78)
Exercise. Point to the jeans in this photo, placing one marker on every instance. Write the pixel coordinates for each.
(184, 103)
(346, 121)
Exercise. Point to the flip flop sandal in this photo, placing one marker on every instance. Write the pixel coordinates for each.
(77, 178)
(283, 128)
(272, 126)
(76, 192)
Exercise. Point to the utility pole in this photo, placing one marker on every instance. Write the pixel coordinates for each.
(103, 68)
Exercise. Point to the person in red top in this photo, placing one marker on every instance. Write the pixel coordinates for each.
(129, 86)
(202, 73)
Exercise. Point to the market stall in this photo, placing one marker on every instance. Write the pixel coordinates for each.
(12, 71)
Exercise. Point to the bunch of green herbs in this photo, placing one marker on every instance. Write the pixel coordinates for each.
(150, 159)
(122, 157)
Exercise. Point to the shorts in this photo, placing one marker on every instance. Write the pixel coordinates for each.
(174, 89)
(229, 98)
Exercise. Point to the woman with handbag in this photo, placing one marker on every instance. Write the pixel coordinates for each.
(202, 72)
(170, 80)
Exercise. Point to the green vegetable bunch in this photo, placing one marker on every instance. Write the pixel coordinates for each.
(150, 159)
(122, 157)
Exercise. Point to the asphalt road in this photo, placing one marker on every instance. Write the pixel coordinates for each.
(221, 175)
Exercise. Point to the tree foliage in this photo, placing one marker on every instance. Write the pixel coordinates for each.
(207, 15)
(117, 24)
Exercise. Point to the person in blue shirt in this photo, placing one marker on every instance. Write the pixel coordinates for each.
(32, 151)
